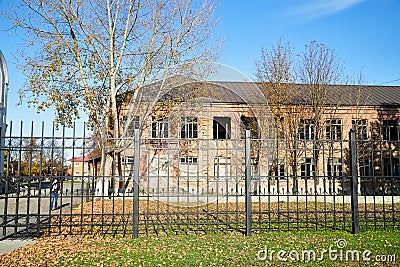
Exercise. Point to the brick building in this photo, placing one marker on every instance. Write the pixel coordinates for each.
(194, 138)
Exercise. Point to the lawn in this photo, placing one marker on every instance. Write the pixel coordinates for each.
(158, 218)
(283, 248)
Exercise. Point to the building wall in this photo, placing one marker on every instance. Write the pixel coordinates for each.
(77, 168)
(204, 160)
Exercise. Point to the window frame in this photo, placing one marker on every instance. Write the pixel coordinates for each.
(365, 168)
(309, 168)
(334, 129)
(189, 127)
(189, 160)
(361, 128)
(334, 169)
(390, 132)
(225, 133)
(132, 126)
(249, 123)
(280, 171)
(159, 127)
(307, 129)
(222, 161)
(391, 168)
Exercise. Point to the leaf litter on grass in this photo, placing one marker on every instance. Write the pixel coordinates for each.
(82, 245)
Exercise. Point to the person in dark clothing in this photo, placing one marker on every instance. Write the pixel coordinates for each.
(54, 189)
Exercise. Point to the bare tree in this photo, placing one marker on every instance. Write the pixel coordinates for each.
(276, 74)
(53, 157)
(318, 68)
(300, 109)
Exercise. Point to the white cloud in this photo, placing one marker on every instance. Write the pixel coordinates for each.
(319, 8)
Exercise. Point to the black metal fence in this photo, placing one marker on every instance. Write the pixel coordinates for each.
(142, 186)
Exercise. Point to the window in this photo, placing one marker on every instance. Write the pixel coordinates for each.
(127, 163)
(222, 167)
(159, 127)
(333, 129)
(221, 128)
(365, 168)
(254, 170)
(307, 129)
(188, 160)
(280, 172)
(361, 128)
(127, 160)
(335, 168)
(189, 127)
(129, 130)
(188, 167)
(249, 123)
(389, 130)
(307, 169)
(391, 167)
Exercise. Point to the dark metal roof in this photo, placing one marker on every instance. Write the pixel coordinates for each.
(346, 95)
(358, 95)
(256, 93)
(369, 95)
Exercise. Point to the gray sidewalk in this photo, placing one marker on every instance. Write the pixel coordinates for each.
(9, 245)
(24, 212)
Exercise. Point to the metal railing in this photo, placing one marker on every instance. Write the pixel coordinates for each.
(163, 186)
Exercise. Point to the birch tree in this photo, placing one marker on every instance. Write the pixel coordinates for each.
(82, 54)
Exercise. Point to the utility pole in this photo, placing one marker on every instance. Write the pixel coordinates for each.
(3, 108)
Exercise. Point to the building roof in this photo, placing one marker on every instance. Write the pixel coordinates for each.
(346, 95)
(79, 159)
(95, 154)
(256, 93)
(361, 95)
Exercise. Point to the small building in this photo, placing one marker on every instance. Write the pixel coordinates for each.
(78, 167)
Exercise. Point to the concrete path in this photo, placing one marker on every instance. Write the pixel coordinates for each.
(9, 245)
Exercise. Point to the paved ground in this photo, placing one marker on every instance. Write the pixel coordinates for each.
(12, 244)
(25, 205)
(28, 209)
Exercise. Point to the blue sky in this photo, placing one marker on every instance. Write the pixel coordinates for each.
(365, 34)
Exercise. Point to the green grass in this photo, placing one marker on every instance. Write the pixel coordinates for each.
(179, 236)
(208, 249)
(225, 250)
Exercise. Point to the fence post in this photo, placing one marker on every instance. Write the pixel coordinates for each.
(136, 166)
(7, 184)
(248, 183)
(354, 183)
